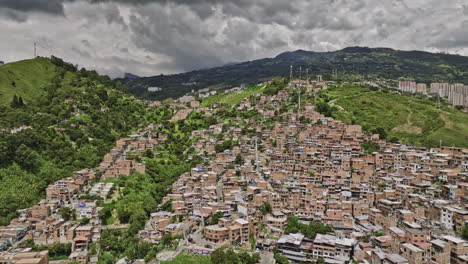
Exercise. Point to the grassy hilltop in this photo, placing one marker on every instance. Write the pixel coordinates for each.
(25, 78)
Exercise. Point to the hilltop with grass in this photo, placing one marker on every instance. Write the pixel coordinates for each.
(414, 119)
(33, 79)
(25, 79)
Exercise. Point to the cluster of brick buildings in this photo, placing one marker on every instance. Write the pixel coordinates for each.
(120, 160)
(25, 257)
(385, 207)
(401, 204)
(43, 223)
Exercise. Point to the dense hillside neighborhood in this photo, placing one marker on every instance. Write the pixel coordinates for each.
(262, 174)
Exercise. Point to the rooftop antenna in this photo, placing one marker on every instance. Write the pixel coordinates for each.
(290, 72)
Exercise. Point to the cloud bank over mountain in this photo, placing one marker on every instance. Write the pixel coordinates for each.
(152, 37)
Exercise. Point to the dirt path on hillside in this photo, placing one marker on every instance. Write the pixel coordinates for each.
(408, 126)
(448, 124)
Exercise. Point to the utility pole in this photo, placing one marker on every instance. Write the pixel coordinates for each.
(299, 99)
(201, 214)
(35, 53)
(256, 154)
(300, 72)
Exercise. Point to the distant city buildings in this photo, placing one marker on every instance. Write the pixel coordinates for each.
(154, 89)
(456, 94)
(413, 87)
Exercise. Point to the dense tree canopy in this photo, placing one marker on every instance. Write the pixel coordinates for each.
(309, 230)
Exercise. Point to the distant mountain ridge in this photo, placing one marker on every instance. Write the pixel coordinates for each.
(128, 75)
(361, 62)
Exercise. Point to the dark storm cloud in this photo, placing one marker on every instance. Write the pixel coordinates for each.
(455, 38)
(184, 40)
(48, 6)
(18, 10)
(81, 52)
(110, 12)
(13, 15)
(465, 10)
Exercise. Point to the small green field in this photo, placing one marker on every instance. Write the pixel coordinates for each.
(231, 98)
(415, 120)
(186, 258)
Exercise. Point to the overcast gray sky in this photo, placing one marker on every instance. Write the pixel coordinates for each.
(150, 37)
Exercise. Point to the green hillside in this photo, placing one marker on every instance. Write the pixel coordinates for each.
(409, 119)
(73, 118)
(25, 78)
(33, 79)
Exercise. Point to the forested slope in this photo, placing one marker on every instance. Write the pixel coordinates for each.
(68, 119)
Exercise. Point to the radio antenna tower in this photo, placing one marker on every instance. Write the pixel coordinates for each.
(36, 45)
